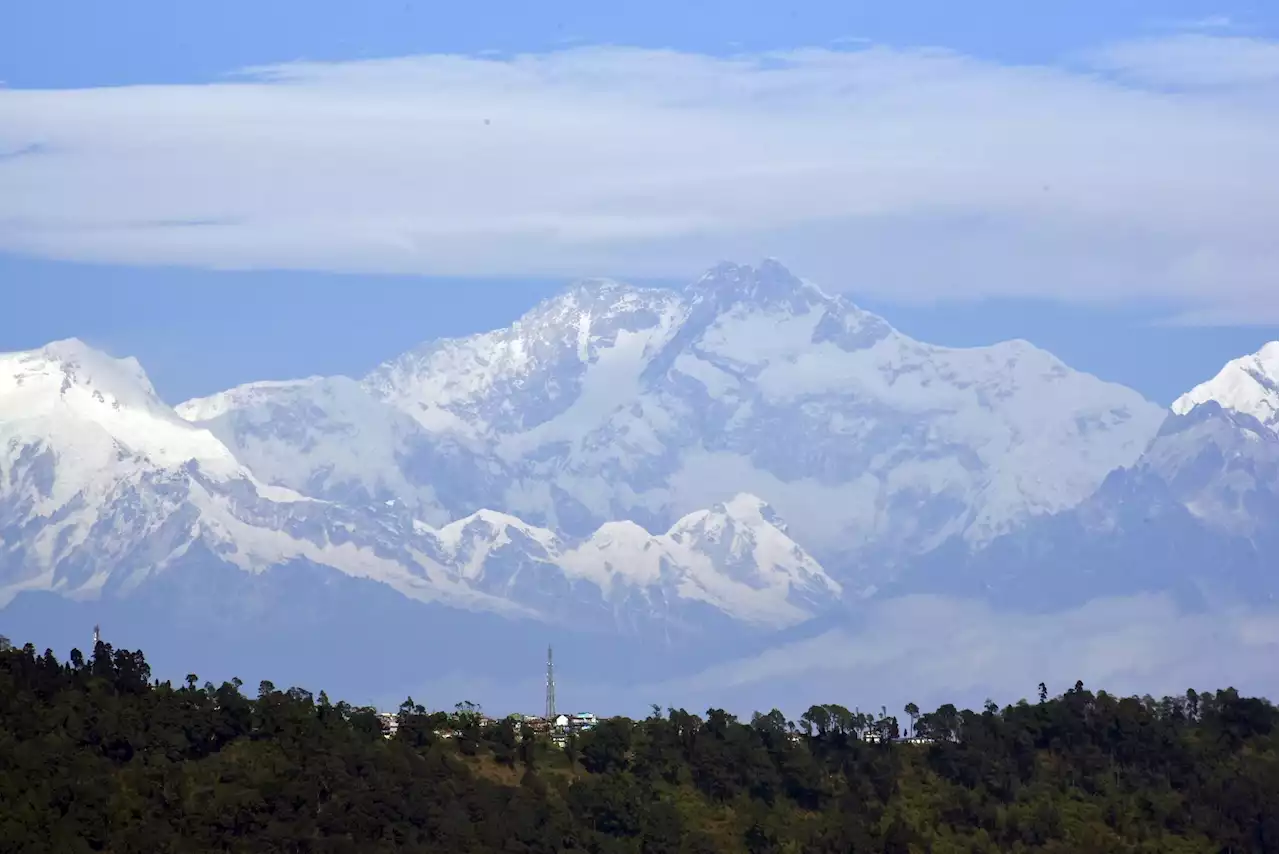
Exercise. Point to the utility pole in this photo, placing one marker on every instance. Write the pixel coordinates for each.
(551, 689)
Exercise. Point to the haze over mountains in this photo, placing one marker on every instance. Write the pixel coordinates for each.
(634, 470)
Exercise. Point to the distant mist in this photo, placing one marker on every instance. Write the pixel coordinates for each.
(933, 650)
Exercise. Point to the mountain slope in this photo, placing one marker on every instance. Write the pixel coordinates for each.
(753, 381)
(324, 436)
(103, 487)
(1198, 515)
(612, 402)
(603, 473)
(1247, 385)
(735, 558)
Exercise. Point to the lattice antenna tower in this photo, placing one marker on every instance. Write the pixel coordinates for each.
(97, 636)
(551, 687)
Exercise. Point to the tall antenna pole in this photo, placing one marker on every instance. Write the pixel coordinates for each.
(551, 688)
(97, 636)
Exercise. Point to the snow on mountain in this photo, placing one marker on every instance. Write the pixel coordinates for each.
(102, 487)
(1221, 467)
(1248, 385)
(1198, 514)
(1217, 465)
(869, 432)
(323, 436)
(103, 410)
(1219, 451)
(735, 557)
(613, 402)
(80, 432)
(556, 372)
(523, 470)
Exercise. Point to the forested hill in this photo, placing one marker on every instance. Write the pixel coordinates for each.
(95, 756)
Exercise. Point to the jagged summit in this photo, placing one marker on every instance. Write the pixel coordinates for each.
(744, 505)
(612, 460)
(736, 557)
(73, 349)
(72, 362)
(767, 284)
(612, 402)
(1247, 385)
(103, 488)
(1194, 517)
(467, 386)
(97, 412)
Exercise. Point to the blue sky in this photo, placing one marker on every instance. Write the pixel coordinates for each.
(61, 44)
(200, 331)
(1073, 174)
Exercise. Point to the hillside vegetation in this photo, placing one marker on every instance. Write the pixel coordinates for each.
(97, 756)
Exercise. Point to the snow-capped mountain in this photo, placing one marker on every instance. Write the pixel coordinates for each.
(1197, 514)
(1247, 385)
(1219, 455)
(604, 472)
(332, 439)
(105, 487)
(735, 558)
(614, 402)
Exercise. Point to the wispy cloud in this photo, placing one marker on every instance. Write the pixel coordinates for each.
(933, 650)
(25, 151)
(1213, 23)
(1210, 22)
(1148, 172)
(1194, 61)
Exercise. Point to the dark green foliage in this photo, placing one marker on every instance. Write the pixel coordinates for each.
(605, 749)
(96, 757)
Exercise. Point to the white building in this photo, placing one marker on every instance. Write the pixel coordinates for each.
(583, 720)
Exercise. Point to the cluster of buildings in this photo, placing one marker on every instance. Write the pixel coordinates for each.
(563, 725)
(390, 723)
(875, 738)
(557, 729)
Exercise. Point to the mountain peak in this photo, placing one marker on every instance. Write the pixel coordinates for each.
(745, 507)
(94, 423)
(1249, 385)
(743, 512)
(768, 283)
(50, 372)
(76, 352)
(243, 396)
(67, 347)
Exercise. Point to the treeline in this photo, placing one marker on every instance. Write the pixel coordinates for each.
(96, 756)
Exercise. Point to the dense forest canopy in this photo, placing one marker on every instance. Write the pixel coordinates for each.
(97, 756)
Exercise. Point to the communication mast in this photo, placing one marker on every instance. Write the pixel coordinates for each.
(551, 688)
(97, 637)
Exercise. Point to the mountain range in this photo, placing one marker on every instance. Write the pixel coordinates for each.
(1196, 515)
(615, 469)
